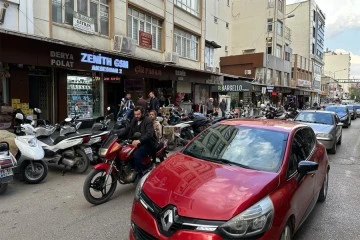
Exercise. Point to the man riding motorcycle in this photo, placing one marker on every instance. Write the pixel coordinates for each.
(147, 142)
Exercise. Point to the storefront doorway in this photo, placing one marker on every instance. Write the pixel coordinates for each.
(115, 92)
(40, 95)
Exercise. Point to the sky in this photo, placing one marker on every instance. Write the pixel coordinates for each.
(342, 28)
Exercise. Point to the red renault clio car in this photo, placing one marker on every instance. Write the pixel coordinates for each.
(239, 179)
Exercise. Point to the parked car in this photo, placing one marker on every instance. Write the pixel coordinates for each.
(357, 110)
(342, 112)
(239, 179)
(352, 111)
(326, 125)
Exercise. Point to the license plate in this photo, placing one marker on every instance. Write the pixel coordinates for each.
(88, 150)
(6, 172)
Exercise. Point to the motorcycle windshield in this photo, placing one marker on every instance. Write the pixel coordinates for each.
(109, 141)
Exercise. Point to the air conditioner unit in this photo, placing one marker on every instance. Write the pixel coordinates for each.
(2, 15)
(172, 57)
(124, 44)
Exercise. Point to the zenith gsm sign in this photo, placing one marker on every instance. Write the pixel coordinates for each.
(104, 64)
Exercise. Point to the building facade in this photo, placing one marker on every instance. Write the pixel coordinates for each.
(94, 51)
(308, 32)
(260, 46)
(338, 66)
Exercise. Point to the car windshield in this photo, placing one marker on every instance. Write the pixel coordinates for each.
(315, 117)
(247, 147)
(337, 109)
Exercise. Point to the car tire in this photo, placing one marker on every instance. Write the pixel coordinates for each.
(324, 189)
(340, 139)
(333, 149)
(287, 232)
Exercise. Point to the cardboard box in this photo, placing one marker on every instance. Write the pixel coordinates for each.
(15, 100)
(25, 106)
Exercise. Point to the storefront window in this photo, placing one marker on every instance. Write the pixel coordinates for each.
(84, 92)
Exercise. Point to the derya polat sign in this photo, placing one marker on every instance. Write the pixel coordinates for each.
(102, 63)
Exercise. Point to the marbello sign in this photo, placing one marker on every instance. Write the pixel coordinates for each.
(104, 64)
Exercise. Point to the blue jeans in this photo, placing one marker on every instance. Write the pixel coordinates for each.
(139, 155)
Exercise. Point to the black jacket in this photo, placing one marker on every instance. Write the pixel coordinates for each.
(146, 129)
(154, 104)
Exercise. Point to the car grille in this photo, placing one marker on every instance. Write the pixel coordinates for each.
(140, 234)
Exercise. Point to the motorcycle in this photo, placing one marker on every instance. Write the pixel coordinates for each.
(101, 182)
(124, 118)
(30, 155)
(7, 163)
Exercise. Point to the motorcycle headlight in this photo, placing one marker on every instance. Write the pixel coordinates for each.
(32, 142)
(253, 221)
(140, 185)
(324, 135)
(102, 152)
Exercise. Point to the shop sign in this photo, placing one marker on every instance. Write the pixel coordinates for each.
(303, 83)
(270, 89)
(145, 39)
(83, 23)
(113, 78)
(147, 71)
(233, 86)
(104, 64)
(61, 59)
(180, 73)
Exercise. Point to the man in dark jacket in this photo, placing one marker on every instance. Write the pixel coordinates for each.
(154, 103)
(141, 102)
(147, 141)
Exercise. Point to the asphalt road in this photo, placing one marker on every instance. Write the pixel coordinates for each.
(56, 208)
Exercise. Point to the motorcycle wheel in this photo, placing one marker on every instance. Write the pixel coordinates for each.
(38, 174)
(96, 183)
(83, 164)
(3, 187)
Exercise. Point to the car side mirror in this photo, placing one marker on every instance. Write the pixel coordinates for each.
(340, 124)
(307, 167)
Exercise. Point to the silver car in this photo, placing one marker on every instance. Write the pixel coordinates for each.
(325, 124)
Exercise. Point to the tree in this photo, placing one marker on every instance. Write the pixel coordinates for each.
(354, 94)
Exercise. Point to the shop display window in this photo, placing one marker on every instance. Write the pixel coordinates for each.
(84, 92)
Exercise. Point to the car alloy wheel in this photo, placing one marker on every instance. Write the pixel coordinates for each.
(286, 235)
(324, 188)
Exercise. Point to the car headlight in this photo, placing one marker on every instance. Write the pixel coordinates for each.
(140, 185)
(253, 221)
(324, 135)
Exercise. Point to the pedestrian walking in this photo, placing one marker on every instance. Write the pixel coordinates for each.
(223, 107)
(154, 103)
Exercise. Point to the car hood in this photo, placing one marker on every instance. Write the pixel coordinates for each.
(206, 190)
(341, 114)
(320, 128)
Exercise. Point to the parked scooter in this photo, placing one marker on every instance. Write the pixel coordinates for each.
(30, 155)
(7, 163)
(101, 182)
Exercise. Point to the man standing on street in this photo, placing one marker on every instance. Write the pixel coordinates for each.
(154, 103)
(141, 102)
(210, 106)
(223, 107)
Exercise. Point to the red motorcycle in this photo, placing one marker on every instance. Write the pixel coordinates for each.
(101, 182)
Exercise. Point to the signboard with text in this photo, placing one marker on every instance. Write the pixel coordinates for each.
(145, 39)
(83, 23)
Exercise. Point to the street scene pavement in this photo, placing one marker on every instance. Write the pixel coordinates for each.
(56, 208)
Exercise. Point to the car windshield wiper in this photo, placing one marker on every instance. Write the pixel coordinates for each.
(225, 161)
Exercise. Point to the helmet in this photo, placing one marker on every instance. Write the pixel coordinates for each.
(262, 105)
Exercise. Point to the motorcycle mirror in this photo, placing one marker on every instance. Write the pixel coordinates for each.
(37, 110)
(19, 116)
(68, 119)
(108, 108)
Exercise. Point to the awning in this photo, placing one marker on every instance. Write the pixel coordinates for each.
(233, 86)
(212, 44)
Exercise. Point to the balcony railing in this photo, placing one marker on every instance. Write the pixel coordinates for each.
(287, 33)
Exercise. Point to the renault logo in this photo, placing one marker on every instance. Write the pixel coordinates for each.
(167, 219)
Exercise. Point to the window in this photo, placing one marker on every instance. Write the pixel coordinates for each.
(209, 56)
(269, 50)
(186, 44)
(270, 24)
(191, 6)
(313, 48)
(228, 3)
(278, 51)
(279, 28)
(271, 3)
(314, 13)
(287, 56)
(139, 21)
(281, 6)
(314, 32)
(98, 10)
(227, 25)
(215, 20)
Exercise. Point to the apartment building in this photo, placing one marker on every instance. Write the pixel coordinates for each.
(337, 66)
(260, 45)
(89, 52)
(308, 31)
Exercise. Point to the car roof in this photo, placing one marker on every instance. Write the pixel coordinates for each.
(270, 124)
